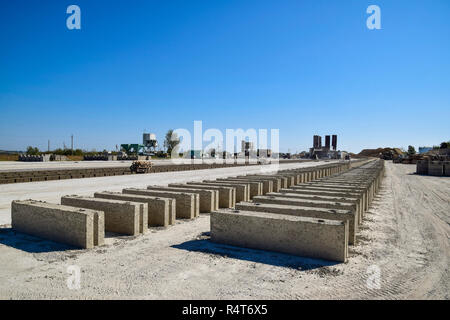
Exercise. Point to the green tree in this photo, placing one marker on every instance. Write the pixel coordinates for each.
(411, 150)
(32, 151)
(171, 141)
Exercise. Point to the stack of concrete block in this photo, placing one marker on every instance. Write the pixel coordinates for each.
(209, 199)
(227, 194)
(187, 204)
(433, 168)
(161, 211)
(124, 217)
(34, 158)
(436, 168)
(422, 167)
(242, 189)
(256, 187)
(77, 227)
(297, 235)
(344, 215)
(328, 197)
(267, 183)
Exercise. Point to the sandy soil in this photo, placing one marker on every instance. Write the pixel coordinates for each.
(405, 235)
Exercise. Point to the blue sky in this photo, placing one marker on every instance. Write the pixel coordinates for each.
(304, 67)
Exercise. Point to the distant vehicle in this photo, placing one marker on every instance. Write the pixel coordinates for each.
(141, 166)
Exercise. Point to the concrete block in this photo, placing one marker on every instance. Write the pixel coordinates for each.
(227, 195)
(363, 193)
(209, 199)
(267, 182)
(301, 236)
(346, 199)
(447, 168)
(78, 227)
(335, 193)
(187, 204)
(256, 187)
(312, 212)
(242, 190)
(436, 168)
(123, 217)
(309, 203)
(279, 181)
(158, 208)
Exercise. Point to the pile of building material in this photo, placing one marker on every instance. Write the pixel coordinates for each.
(141, 166)
(34, 158)
(318, 216)
(433, 168)
(100, 157)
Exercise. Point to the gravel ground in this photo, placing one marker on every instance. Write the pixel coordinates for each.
(404, 239)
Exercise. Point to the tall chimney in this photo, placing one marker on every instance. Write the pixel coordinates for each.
(327, 142)
(334, 142)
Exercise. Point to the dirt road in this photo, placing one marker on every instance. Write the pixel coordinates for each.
(404, 243)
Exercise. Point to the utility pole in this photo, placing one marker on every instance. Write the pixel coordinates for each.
(71, 147)
(48, 145)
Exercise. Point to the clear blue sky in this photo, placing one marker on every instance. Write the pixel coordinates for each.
(305, 67)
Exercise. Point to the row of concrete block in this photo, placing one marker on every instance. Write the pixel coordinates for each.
(318, 218)
(82, 221)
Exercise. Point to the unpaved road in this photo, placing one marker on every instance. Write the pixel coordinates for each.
(405, 237)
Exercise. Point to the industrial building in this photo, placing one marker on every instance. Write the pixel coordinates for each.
(326, 151)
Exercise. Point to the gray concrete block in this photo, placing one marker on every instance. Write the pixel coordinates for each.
(279, 181)
(346, 199)
(363, 193)
(158, 207)
(73, 226)
(422, 167)
(242, 190)
(312, 212)
(227, 195)
(309, 203)
(447, 168)
(123, 217)
(335, 193)
(209, 199)
(436, 168)
(187, 204)
(256, 187)
(301, 236)
(267, 182)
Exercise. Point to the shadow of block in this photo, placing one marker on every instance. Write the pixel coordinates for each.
(260, 256)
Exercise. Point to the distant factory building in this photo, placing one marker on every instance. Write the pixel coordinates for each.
(327, 151)
(424, 149)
